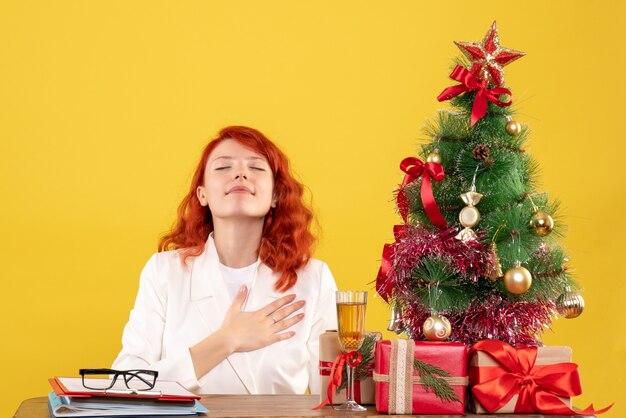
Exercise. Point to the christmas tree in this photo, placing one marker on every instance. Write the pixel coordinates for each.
(477, 255)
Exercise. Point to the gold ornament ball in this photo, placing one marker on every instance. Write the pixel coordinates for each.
(513, 128)
(434, 157)
(517, 280)
(469, 216)
(437, 328)
(541, 223)
(570, 304)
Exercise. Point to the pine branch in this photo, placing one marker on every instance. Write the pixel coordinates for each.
(437, 285)
(433, 381)
(550, 274)
(361, 370)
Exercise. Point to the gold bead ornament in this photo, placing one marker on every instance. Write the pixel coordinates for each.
(541, 223)
(512, 127)
(517, 279)
(570, 304)
(434, 157)
(436, 328)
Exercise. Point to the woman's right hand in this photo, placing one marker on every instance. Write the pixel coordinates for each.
(248, 331)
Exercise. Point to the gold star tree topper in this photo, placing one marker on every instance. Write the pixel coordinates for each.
(488, 57)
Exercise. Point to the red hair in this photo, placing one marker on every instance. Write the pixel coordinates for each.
(287, 241)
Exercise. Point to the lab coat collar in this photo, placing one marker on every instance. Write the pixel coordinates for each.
(205, 284)
(206, 277)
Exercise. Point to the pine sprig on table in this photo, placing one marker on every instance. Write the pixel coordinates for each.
(433, 381)
(360, 371)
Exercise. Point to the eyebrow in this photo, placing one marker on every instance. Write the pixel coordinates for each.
(228, 157)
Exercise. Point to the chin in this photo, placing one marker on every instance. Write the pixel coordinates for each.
(242, 214)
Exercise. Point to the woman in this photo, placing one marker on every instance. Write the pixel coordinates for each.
(233, 302)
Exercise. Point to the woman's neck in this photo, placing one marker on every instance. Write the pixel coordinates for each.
(237, 241)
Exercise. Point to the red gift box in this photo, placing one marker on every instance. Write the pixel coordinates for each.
(521, 380)
(398, 388)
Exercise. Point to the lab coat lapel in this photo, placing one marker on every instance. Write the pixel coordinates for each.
(261, 295)
(209, 294)
(208, 288)
(263, 291)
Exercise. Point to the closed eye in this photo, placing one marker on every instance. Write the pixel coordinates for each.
(258, 168)
(221, 168)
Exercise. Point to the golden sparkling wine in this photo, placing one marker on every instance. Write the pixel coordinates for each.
(351, 321)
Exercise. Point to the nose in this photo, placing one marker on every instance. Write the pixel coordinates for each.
(241, 173)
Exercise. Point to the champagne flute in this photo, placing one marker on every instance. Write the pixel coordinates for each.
(351, 321)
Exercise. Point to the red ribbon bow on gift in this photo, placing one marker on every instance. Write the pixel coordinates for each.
(353, 359)
(469, 82)
(538, 386)
(414, 168)
(326, 366)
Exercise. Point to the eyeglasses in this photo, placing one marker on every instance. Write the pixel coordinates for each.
(103, 379)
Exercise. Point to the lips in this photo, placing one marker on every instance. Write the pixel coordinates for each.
(239, 189)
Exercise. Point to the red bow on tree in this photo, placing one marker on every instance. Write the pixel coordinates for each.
(538, 386)
(469, 82)
(414, 168)
(384, 284)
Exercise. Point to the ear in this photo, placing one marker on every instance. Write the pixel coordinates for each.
(201, 196)
(274, 200)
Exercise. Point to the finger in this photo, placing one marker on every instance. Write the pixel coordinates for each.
(286, 323)
(282, 336)
(240, 298)
(285, 311)
(277, 304)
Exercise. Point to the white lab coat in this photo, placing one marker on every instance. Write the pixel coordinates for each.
(177, 306)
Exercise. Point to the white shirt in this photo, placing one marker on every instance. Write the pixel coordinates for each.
(178, 306)
(234, 278)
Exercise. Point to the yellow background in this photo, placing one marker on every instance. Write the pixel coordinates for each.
(106, 105)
